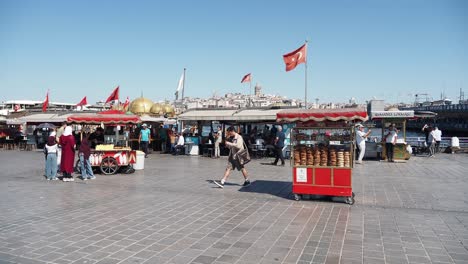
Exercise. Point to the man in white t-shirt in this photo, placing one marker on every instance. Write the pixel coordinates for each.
(218, 139)
(361, 141)
(437, 138)
(390, 141)
(454, 144)
(180, 144)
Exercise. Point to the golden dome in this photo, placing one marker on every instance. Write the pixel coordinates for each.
(156, 109)
(168, 110)
(141, 106)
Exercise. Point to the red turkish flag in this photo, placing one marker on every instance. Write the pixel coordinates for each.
(46, 102)
(247, 78)
(114, 95)
(126, 104)
(296, 57)
(82, 102)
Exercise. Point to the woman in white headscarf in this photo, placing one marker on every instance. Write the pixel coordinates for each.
(67, 141)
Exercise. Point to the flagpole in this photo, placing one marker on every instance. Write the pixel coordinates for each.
(183, 87)
(250, 99)
(305, 93)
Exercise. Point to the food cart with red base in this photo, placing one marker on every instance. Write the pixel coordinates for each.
(322, 150)
(108, 158)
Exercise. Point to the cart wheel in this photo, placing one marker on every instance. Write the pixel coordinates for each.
(297, 197)
(109, 166)
(353, 194)
(350, 200)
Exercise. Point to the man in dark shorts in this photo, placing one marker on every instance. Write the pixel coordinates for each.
(235, 144)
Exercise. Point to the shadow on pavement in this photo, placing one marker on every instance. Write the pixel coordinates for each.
(277, 188)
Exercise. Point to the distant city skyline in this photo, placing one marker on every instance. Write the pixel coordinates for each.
(389, 50)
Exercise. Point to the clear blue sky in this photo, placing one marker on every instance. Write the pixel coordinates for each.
(387, 49)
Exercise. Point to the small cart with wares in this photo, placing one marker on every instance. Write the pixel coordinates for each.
(322, 151)
(108, 157)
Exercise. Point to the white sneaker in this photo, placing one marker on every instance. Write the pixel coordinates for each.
(65, 179)
(71, 179)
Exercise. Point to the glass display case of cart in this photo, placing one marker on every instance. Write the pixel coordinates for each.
(322, 147)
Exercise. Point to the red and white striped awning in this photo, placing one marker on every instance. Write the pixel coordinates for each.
(321, 115)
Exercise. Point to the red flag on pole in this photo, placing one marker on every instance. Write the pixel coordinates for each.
(46, 102)
(246, 78)
(126, 104)
(114, 95)
(82, 102)
(296, 57)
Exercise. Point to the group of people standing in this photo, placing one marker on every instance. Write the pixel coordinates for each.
(433, 138)
(60, 155)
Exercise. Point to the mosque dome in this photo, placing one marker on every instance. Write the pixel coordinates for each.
(156, 109)
(141, 106)
(168, 110)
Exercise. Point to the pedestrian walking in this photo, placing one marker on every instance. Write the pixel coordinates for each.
(361, 137)
(51, 149)
(85, 164)
(144, 139)
(390, 141)
(279, 145)
(235, 144)
(67, 141)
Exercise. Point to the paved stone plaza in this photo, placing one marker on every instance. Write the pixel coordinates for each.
(415, 212)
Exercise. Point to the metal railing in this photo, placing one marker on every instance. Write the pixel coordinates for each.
(446, 141)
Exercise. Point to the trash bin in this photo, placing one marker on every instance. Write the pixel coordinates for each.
(140, 160)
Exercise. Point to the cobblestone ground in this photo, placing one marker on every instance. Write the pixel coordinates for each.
(413, 212)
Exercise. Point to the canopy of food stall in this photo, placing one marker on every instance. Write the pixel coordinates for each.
(236, 115)
(38, 118)
(320, 115)
(207, 115)
(104, 118)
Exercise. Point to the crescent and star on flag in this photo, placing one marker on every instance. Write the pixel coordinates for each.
(296, 57)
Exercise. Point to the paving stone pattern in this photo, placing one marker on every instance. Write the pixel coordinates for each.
(413, 212)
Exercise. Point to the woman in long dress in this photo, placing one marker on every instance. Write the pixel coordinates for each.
(67, 141)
